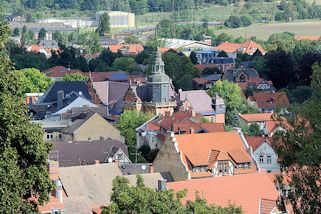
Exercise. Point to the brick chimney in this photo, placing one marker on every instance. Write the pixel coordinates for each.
(191, 130)
(151, 169)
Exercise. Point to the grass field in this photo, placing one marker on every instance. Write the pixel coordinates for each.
(263, 31)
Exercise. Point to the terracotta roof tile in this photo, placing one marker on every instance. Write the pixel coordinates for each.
(153, 126)
(200, 80)
(51, 204)
(197, 153)
(242, 190)
(314, 38)
(255, 142)
(201, 67)
(256, 117)
(248, 47)
(129, 48)
(262, 99)
(163, 50)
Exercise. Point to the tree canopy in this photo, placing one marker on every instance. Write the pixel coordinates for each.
(180, 69)
(103, 25)
(299, 148)
(75, 77)
(31, 80)
(129, 121)
(141, 199)
(23, 152)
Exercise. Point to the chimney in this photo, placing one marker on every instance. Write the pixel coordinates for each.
(162, 185)
(59, 190)
(151, 169)
(60, 97)
(193, 113)
(191, 130)
(97, 162)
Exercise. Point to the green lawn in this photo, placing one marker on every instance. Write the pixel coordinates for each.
(263, 31)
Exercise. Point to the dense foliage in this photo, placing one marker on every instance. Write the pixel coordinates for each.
(23, 152)
(31, 80)
(75, 77)
(299, 150)
(129, 121)
(141, 199)
(180, 69)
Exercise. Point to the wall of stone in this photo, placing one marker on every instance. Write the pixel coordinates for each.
(169, 159)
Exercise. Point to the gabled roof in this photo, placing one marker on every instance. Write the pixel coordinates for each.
(200, 101)
(91, 185)
(256, 142)
(129, 48)
(242, 190)
(197, 153)
(256, 117)
(232, 74)
(78, 153)
(110, 92)
(67, 87)
(248, 47)
(263, 99)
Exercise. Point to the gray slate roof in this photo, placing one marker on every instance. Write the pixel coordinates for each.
(230, 75)
(212, 77)
(68, 87)
(201, 102)
(88, 186)
(74, 154)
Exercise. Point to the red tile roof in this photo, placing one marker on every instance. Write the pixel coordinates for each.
(130, 48)
(201, 67)
(198, 153)
(262, 99)
(248, 47)
(242, 190)
(314, 38)
(242, 85)
(164, 50)
(200, 81)
(256, 142)
(53, 203)
(256, 117)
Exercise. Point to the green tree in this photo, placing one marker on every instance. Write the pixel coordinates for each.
(75, 77)
(193, 57)
(254, 130)
(31, 80)
(126, 64)
(129, 121)
(103, 25)
(132, 40)
(42, 34)
(222, 54)
(300, 148)
(16, 32)
(180, 69)
(141, 199)
(23, 152)
(232, 95)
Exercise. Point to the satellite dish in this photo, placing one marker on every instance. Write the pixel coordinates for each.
(143, 167)
(110, 160)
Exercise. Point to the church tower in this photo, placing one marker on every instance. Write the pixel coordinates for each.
(158, 82)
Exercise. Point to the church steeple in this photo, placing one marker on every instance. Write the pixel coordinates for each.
(158, 66)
